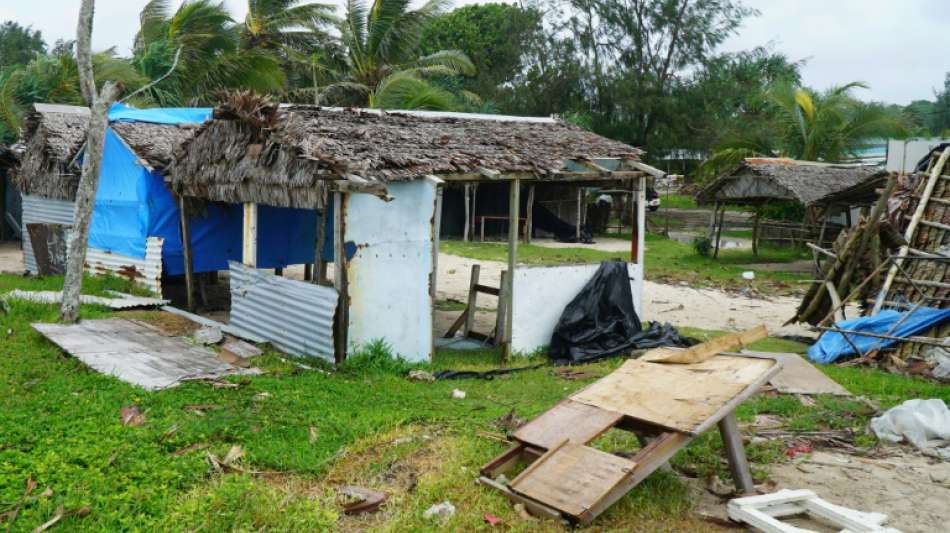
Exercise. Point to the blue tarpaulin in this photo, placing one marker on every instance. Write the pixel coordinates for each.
(133, 203)
(833, 346)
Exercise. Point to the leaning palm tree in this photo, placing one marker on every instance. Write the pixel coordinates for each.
(199, 44)
(384, 68)
(811, 126)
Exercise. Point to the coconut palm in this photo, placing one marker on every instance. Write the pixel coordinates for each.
(276, 24)
(200, 43)
(828, 126)
(384, 68)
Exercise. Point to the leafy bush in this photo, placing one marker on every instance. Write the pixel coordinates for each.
(703, 245)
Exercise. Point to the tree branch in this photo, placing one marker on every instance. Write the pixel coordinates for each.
(87, 83)
(155, 82)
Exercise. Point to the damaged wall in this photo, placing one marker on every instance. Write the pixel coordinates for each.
(391, 271)
(542, 292)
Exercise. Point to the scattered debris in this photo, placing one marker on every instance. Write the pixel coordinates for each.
(510, 421)
(226, 356)
(443, 511)
(523, 512)
(362, 500)
(12, 515)
(748, 275)
(169, 433)
(314, 434)
(61, 513)
(458, 394)
(798, 376)
(491, 519)
(797, 449)
(132, 416)
(571, 374)
(262, 396)
(191, 448)
(923, 423)
(136, 353)
(122, 301)
(208, 335)
(673, 403)
(421, 375)
(762, 512)
(241, 349)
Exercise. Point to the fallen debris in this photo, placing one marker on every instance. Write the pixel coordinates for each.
(208, 335)
(121, 301)
(362, 500)
(443, 511)
(458, 394)
(421, 375)
(572, 375)
(923, 423)
(132, 416)
(190, 448)
(798, 376)
(491, 519)
(510, 421)
(762, 513)
(136, 353)
(239, 348)
(61, 513)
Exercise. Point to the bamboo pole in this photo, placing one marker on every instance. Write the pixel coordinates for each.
(189, 260)
(514, 206)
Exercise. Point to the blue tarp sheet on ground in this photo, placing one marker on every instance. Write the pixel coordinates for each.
(832, 345)
(133, 203)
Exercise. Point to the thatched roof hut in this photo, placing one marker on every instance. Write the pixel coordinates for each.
(53, 136)
(761, 180)
(256, 151)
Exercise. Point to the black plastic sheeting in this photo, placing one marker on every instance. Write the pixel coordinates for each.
(601, 321)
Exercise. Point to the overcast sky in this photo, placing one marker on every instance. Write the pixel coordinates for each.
(899, 47)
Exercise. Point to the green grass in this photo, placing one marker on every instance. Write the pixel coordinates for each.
(666, 259)
(678, 201)
(313, 431)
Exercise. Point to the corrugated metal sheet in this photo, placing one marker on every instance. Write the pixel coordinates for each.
(295, 316)
(38, 210)
(147, 272)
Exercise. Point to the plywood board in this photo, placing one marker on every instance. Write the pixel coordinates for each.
(703, 351)
(136, 353)
(798, 376)
(680, 397)
(573, 479)
(580, 423)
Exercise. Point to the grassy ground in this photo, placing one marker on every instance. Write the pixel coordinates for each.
(686, 201)
(310, 432)
(666, 260)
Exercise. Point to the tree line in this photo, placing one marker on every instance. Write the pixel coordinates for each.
(647, 72)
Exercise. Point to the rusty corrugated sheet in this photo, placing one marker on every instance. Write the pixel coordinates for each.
(37, 209)
(295, 316)
(147, 272)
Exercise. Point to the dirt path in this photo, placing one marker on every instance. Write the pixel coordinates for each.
(681, 305)
(11, 258)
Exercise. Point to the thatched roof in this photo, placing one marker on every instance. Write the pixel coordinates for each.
(53, 136)
(759, 180)
(255, 151)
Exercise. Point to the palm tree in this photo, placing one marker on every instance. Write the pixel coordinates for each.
(285, 24)
(811, 126)
(200, 44)
(384, 68)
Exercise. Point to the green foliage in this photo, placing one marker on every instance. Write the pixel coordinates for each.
(703, 245)
(790, 211)
(19, 45)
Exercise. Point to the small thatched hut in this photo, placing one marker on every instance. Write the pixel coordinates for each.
(829, 193)
(379, 177)
(135, 224)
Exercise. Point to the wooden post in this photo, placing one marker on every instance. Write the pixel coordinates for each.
(436, 236)
(641, 219)
(712, 221)
(722, 215)
(735, 453)
(341, 323)
(500, 311)
(249, 235)
(634, 225)
(755, 233)
(816, 257)
(577, 225)
(468, 214)
(3, 209)
(189, 260)
(475, 210)
(320, 263)
(472, 301)
(308, 271)
(514, 206)
(528, 223)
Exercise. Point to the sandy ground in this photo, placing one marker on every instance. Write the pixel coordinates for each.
(908, 488)
(603, 244)
(11, 258)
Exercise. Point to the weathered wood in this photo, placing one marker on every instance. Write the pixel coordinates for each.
(468, 215)
(514, 207)
(735, 453)
(249, 235)
(475, 211)
(472, 304)
(340, 282)
(459, 322)
(912, 228)
(708, 349)
(49, 247)
(501, 309)
(721, 217)
(319, 262)
(835, 300)
(535, 508)
(185, 226)
(529, 215)
(580, 423)
(577, 223)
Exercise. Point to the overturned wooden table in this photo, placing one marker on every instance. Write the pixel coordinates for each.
(666, 405)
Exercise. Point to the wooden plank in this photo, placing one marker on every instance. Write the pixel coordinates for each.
(485, 289)
(577, 422)
(798, 376)
(472, 301)
(504, 461)
(835, 299)
(535, 508)
(341, 323)
(686, 398)
(702, 352)
(577, 222)
(319, 274)
(501, 310)
(456, 325)
(529, 215)
(735, 453)
(572, 478)
(468, 219)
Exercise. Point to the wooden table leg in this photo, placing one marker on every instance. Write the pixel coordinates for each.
(735, 453)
